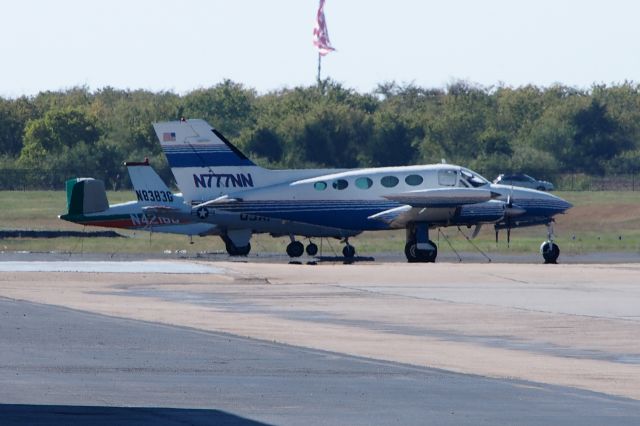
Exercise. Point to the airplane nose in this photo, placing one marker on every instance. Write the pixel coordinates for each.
(566, 205)
(557, 204)
(532, 201)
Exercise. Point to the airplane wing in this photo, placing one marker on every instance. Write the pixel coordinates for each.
(443, 197)
(417, 203)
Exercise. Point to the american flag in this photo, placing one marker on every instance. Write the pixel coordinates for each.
(169, 137)
(320, 33)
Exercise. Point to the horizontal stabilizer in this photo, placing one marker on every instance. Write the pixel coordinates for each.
(220, 200)
(167, 212)
(443, 197)
(160, 209)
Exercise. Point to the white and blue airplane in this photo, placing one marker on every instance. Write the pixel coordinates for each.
(217, 179)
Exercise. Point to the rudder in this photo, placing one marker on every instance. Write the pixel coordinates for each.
(86, 195)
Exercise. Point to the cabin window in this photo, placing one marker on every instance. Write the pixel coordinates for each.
(447, 177)
(389, 181)
(340, 184)
(472, 178)
(364, 183)
(413, 180)
(320, 186)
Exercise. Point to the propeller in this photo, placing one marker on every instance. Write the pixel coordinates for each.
(511, 210)
(476, 231)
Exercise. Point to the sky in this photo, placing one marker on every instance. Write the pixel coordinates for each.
(184, 45)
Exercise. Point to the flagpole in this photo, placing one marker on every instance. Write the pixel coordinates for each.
(319, 65)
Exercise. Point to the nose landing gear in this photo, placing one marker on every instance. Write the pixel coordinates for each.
(550, 250)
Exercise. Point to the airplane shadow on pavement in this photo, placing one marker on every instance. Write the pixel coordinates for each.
(22, 414)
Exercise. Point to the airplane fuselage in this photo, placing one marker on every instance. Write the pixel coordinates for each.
(349, 199)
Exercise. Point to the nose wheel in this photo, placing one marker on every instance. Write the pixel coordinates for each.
(550, 250)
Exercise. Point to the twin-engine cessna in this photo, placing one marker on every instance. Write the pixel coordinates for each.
(222, 186)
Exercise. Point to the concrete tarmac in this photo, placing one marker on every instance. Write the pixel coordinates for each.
(363, 344)
(60, 366)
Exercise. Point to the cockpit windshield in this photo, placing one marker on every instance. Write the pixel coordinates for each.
(472, 179)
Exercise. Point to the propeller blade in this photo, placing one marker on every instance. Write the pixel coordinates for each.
(476, 231)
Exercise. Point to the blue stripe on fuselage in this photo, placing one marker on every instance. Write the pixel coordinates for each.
(206, 159)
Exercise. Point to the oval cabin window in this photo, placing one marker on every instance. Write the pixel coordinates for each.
(340, 184)
(413, 180)
(389, 181)
(364, 183)
(320, 186)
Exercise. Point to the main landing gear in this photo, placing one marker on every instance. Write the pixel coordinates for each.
(233, 242)
(296, 249)
(419, 248)
(550, 250)
(233, 250)
(348, 251)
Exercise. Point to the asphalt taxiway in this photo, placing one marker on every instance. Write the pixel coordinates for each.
(254, 343)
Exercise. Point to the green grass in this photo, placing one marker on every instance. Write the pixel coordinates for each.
(599, 221)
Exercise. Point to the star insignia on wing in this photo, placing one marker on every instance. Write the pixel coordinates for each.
(203, 212)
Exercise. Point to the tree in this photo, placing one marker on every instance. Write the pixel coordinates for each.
(597, 138)
(56, 130)
(10, 129)
(227, 106)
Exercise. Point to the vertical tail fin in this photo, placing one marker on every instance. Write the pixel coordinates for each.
(194, 143)
(204, 163)
(86, 195)
(149, 187)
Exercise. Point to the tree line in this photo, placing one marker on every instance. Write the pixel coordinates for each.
(543, 131)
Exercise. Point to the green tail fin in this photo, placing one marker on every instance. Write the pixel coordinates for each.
(86, 195)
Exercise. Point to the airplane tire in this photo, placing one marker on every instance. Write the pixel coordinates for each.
(550, 252)
(238, 251)
(410, 251)
(414, 255)
(349, 251)
(433, 253)
(295, 249)
(243, 251)
(312, 249)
